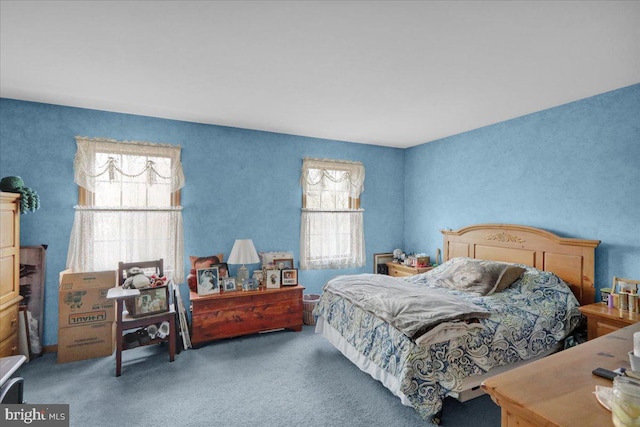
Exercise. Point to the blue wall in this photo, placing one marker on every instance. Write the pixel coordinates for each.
(573, 170)
(239, 184)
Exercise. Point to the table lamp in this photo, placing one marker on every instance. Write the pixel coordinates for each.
(243, 252)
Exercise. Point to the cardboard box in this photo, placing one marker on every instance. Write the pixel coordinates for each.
(86, 342)
(82, 298)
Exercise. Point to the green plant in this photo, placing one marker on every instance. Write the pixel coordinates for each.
(29, 199)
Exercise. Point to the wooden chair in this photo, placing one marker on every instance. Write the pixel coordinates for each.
(125, 322)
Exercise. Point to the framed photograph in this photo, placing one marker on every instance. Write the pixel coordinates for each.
(249, 285)
(150, 301)
(289, 276)
(621, 285)
(208, 281)
(283, 263)
(379, 262)
(273, 279)
(229, 284)
(267, 258)
(257, 276)
(223, 270)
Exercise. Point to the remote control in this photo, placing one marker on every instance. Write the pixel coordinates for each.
(604, 373)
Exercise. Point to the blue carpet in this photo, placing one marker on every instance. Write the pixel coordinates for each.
(277, 379)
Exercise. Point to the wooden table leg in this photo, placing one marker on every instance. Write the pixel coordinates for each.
(119, 338)
(172, 338)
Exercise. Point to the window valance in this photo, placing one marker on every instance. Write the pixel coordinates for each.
(87, 171)
(318, 171)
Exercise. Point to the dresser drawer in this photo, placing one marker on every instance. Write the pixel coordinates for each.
(8, 321)
(399, 270)
(9, 347)
(396, 272)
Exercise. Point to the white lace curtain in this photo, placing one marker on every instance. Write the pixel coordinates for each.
(100, 238)
(332, 232)
(132, 218)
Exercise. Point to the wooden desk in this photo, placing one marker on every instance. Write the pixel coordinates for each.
(558, 390)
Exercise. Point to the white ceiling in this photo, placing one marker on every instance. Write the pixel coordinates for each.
(393, 73)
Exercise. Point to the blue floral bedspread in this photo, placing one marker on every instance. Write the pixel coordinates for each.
(528, 319)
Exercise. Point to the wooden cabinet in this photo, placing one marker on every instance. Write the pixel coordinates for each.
(602, 320)
(9, 273)
(399, 270)
(231, 314)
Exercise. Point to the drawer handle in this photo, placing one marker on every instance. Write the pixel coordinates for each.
(14, 320)
(14, 349)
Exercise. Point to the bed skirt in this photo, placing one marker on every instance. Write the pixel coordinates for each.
(364, 364)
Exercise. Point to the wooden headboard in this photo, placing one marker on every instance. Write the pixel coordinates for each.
(571, 259)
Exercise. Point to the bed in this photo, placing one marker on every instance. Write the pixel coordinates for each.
(525, 320)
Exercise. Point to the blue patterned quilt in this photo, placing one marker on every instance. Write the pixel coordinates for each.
(529, 318)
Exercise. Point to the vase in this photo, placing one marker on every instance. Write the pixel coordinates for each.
(192, 281)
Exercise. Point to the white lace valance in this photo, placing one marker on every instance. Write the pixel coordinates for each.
(87, 170)
(316, 171)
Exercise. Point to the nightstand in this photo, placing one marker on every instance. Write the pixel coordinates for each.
(601, 319)
(400, 270)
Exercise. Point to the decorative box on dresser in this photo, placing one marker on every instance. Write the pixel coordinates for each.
(9, 273)
(401, 270)
(232, 314)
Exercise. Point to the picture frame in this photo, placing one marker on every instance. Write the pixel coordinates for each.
(267, 258)
(223, 270)
(249, 285)
(229, 284)
(621, 285)
(150, 301)
(258, 277)
(272, 279)
(208, 281)
(283, 263)
(379, 262)
(289, 276)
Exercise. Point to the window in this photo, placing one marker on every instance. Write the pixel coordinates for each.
(331, 235)
(129, 206)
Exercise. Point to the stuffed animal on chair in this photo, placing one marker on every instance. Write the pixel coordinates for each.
(136, 279)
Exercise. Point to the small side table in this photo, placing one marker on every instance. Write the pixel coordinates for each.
(602, 320)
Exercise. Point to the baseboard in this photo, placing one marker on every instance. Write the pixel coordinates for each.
(50, 348)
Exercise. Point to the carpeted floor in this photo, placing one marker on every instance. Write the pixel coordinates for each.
(277, 379)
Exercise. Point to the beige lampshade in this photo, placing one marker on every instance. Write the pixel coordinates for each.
(243, 252)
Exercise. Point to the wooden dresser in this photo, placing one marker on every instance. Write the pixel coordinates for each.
(9, 273)
(400, 270)
(231, 314)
